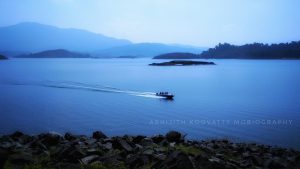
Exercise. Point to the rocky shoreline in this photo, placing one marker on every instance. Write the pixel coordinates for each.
(170, 151)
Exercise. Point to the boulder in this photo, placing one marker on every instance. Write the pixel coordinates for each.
(146, 142)
(149, 152)
(3, 156)
(176, 160)
(173, 136)
(99, 135)
(136, 161)
(21, 158)
(119, 143)
(69, 137)
(138, 139)
(202, 160)
(68, 153)
(89, 159)
(16, 135)
(50, 139)
(158, 138)
(107, 146)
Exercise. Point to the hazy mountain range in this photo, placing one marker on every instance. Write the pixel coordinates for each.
(28, 37)
(58, 53)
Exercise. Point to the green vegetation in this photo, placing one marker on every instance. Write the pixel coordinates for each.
(188, 149)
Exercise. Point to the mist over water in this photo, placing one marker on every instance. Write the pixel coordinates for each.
(243, 100)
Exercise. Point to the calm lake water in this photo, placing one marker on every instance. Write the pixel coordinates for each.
(244, 100)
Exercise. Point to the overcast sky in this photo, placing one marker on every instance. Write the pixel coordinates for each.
(192, 22)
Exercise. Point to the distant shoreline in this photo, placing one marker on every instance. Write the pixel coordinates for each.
(116, 58)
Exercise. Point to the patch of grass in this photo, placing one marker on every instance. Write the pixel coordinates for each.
(188, 149)
(148, 166)
(99, 165)
(7, 165)
(94, 166)
(120, 165)
(34, 166)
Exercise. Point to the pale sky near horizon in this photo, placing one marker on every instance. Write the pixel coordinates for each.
(191, 22)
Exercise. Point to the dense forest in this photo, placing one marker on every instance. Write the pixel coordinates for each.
(254, 51)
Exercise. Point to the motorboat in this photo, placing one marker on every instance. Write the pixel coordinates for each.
(165, 95)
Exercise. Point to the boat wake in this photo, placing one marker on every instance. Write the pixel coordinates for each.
(84, 86)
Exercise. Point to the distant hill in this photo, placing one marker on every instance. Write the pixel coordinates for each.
(33, 37)
(178, 56)
(254, 51)
(146, 50)
(3, 57)
(58, 53)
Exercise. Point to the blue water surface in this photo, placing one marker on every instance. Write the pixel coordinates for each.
(243, 100)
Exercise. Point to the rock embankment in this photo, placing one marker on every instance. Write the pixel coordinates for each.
(172, 151)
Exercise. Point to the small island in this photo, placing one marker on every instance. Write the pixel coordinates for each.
(3, 57)
(182, 63)
(58, 53)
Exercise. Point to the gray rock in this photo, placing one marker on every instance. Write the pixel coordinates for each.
(16, 135)
(107, 146)
(89, 159)
(138, 139)
(121, 144)
(69, 136)
(176, 160)
(214, 159)
(94, 151)
(136, 161)
(90, 141)
(257, 160)
(50, 139)
(277, 164)
(68, 153)
(7, 145)
(21, 158)
(158, 138)
(3, 156)
(203, 161)
(160, 149)
(160, 156)
(172, 144)
(138, 147)
(146, 142)
(148, 152)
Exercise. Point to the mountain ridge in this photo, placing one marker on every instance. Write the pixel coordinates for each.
(35, 37)
(31, 37)
(56, 53)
